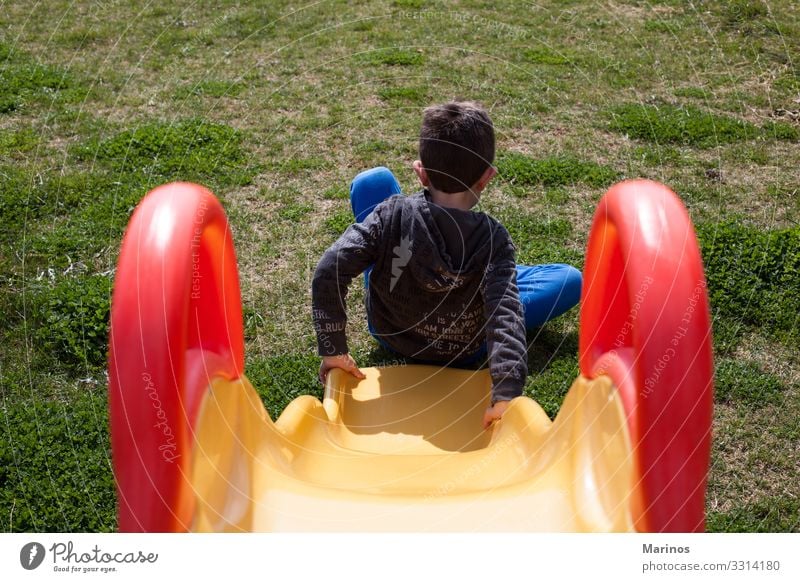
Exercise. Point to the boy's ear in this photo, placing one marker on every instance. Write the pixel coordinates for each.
(485, 178)
(421, 173)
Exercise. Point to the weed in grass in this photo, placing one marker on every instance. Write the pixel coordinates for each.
(62, 218)
(15, 144)
(656, 155)
(554, 171)
(661, 25)
(24, 83)
(336, 193)
(540, 240)
(294, 212)
(210, 88)
(281, 379)
(299, 165)
(247, 21)
(55, 472)
(411, 95)
(372, 152)
(268, 250)
(784, 194)
(409, 4)
(692, 92)
(788, 81)
(678, 125)
(753, 275)
(72, 319)
(253, 321)
(393, 57)
(338, 222)
(746, 384)
(782, 130)
(547, 56)
(193, 150)
(700, 192)
(86, 212)
(549, 384)
(79, 38)
(757, 154)
(727, 333)
(769, 514)
(17, 203)
(789, 431)
(556, 196)
(739, 12)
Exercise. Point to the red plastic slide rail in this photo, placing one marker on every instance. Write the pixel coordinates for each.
(176, 320)
(645, 322)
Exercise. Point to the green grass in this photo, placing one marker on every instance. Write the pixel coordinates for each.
(547, 56)
(71, 317)
(540, 239)
(553, 171)
(553, 365)
(336, 193)
(210, 88)
(339, 220)
(156, 152)
(746, 384)
(744, 11)
(55, 472)
(765, 515)
(277, 107)
(294, 212)
(17, 145)
(281, 379)
(782, 130)
(25, 85)
(678, 125)
(754, 276)
(407, 95)
(400, 57)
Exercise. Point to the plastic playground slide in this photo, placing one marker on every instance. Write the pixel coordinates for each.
(403, 450)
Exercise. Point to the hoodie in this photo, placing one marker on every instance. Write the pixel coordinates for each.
(442, 284)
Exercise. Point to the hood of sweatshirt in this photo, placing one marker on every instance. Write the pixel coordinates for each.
(442, 248)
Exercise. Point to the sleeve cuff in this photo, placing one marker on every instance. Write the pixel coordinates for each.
(506, 390)
(331, 343)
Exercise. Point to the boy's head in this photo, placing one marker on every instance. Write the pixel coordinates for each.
(456, 145)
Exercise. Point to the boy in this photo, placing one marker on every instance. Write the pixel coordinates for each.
(442, 282)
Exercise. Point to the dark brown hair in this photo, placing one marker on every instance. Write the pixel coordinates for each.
(456, 145)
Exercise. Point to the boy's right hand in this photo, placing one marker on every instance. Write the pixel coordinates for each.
(343, 361)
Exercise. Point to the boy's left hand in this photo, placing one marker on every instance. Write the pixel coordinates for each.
(494, 413)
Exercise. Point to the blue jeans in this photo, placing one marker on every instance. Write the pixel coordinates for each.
(546, 291)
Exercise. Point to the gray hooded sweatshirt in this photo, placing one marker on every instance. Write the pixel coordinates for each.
(443, 283)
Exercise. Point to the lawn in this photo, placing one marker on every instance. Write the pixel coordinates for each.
(276, 106)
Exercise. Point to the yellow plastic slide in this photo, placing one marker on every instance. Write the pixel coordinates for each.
(404, 450)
